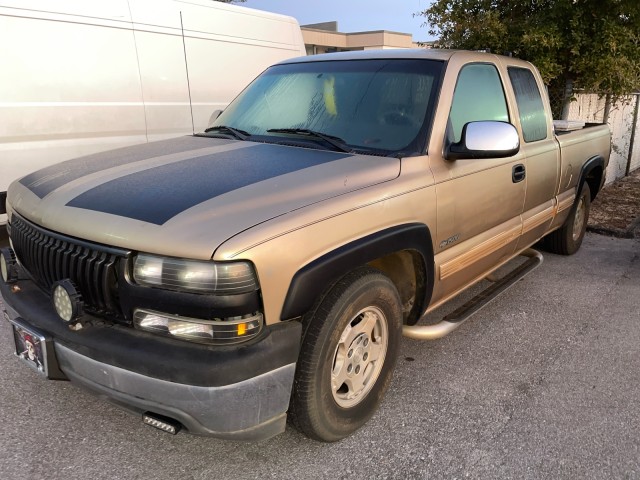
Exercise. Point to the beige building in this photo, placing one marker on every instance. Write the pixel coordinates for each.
(325, 37)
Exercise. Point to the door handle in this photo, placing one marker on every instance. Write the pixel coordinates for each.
(518, 173)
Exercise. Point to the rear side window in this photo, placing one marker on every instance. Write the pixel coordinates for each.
(530, 106)
(478, 96)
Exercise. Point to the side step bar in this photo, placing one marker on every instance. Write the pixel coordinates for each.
(452, 321)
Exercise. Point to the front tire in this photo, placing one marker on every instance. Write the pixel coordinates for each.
(348, 355)
(568, 238)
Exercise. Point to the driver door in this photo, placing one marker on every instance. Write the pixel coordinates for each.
(479, 201)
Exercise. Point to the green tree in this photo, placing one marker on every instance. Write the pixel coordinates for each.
(589, 44)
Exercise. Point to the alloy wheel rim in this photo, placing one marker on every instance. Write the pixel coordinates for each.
(359, 357)
(578, 221)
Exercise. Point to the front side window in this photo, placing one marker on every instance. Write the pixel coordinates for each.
(383, 106)
(478, 96)
(530, 106)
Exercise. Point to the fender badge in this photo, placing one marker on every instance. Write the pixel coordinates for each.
(450, 240)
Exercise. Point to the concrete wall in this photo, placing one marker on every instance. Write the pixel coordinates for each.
(591, 108)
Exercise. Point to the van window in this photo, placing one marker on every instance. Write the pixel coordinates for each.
(478, 96)
(530, 107)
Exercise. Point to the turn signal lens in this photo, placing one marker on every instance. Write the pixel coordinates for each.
(214, 332)
(242, 329)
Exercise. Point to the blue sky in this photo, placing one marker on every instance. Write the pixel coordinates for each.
(353, 15)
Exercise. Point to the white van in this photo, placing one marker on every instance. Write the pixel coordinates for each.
(83, 76)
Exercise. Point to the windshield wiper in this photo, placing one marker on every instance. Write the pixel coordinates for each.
(334, 141)
(234, 132)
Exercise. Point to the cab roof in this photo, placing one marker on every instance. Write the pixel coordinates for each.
(413, 53)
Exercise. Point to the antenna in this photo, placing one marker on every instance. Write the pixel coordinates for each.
(186, 66)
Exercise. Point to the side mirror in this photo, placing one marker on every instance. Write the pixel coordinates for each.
(488, 139)
(214, 116)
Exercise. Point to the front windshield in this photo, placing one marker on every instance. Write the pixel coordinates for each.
(371, 105)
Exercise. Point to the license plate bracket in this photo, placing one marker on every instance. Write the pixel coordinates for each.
(35, 348)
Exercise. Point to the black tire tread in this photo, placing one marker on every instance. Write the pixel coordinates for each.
(303, 415)
(559, 241)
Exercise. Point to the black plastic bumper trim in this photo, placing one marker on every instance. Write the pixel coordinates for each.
(186, 304)
(155, 356)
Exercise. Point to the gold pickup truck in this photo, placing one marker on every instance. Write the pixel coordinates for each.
(272, 263)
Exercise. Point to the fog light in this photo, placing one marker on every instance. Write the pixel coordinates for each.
(218, 331)
(190, 330)
(8, 265)
(161, 423)
(67, 300)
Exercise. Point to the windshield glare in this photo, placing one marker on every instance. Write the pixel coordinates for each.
(378, 105)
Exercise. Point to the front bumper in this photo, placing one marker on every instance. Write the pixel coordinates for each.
(240, 392)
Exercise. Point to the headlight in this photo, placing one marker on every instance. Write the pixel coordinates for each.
(214, 332)
(194, 276)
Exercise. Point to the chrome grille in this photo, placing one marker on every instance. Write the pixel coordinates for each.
(49, 257)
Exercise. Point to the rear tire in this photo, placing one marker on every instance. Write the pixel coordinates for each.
(568, 238)
(348, 355)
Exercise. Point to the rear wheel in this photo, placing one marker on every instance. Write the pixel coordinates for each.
(348, 355)
(568, 238)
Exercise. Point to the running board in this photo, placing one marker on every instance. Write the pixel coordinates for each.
(452, 321)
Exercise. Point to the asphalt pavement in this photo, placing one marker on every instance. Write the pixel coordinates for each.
(542, 383)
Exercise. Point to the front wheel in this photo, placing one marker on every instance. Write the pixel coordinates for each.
(348, 355)
(568, 238)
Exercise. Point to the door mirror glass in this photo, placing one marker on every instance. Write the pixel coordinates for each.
(487, 139)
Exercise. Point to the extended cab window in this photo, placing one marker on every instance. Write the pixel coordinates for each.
(478, 96)
(530, 107)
